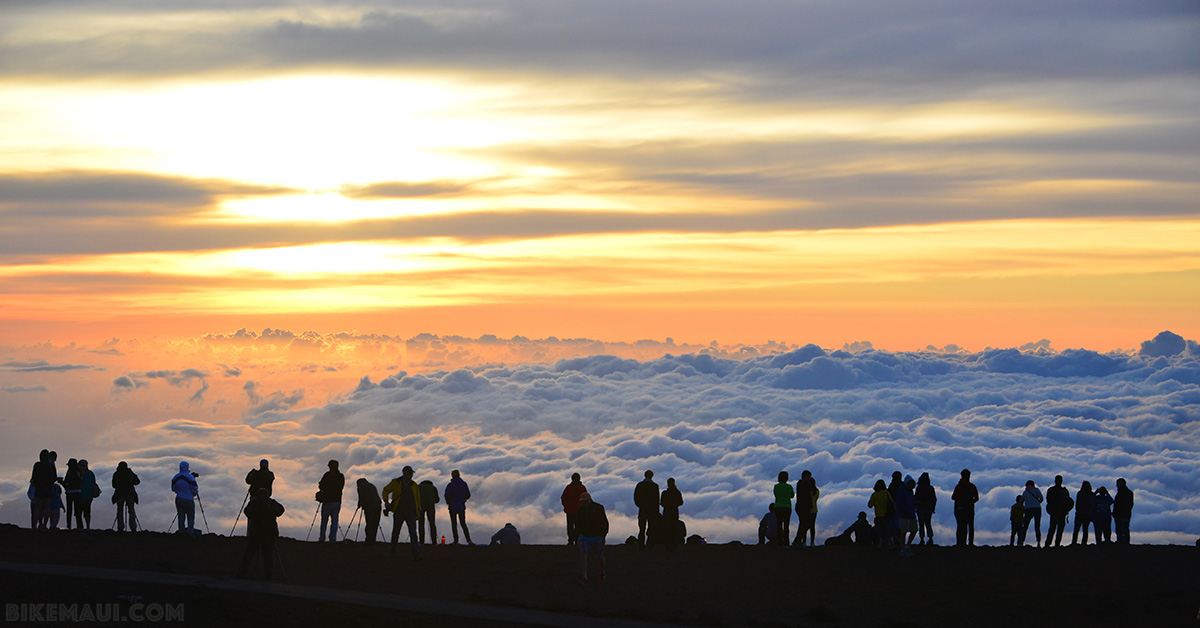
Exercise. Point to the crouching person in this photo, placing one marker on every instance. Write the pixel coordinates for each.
(262, 528)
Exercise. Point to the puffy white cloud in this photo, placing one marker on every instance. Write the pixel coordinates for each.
(722, 422)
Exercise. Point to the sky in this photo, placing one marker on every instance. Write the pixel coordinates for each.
(932, 172)
(218, 218)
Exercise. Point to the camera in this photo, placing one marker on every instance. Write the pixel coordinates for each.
(195, 475)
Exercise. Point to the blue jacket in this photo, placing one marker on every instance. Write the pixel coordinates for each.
(457, 493)
(906, 504)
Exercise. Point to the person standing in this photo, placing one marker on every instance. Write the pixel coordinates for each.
(806, 509)
(125, 496)
(429, 498)
(402, 497)
(70, 484)
(43, 477)
(372, 507)
(783, 508)
(1102, 520)
(570, 503)
(1031, 499)
(925, 499)
(593, 528)
(186, 491)
(672, 499)
(262, 477)
(262, 528)
(965, 496)
(1016, 517)
(88, 490)
(457, 493)
(645, 498)
(1058, 504)
(329, 493)
(1122, 511)
(906, 513)
(1085, 511)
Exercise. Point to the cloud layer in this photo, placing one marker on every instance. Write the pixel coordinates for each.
(721, 420)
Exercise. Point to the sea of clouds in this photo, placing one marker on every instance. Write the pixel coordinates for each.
(722, 421)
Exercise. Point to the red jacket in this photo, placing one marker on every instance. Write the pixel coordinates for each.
(570, 497)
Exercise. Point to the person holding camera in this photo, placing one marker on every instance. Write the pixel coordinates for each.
(186, 491)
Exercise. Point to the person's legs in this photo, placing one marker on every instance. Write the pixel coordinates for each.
(86, 508)
(572, 528)
(268, 556)
(960, 530)
(1122, 530)
(325, 512)
(462, 521)
(336, 507)
(72, 500)
(181, 513)
(671, 529)
(190, 508)
(643, 521)
(783, 519)
(253, 545)
(121, 501)
(131, 513)
(971, 527)
(454, 525)
(583, 560)
(413, 538)
(431, 514)
(812, 528)
(372, 517)
(396, 523)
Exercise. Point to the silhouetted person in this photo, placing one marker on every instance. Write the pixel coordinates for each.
(1031, 499)
(672, 499)
(43, 477)
(906, 513)
(593, 528)
(570, 503)
(56, 507)
(965, 495)
(1058, 504)
(1016, 517)
(783, 508)
(508, 535)
(885, 507)
(262, 528)
(262, 477)
(457, 493)
(894, 490)
(329, 493)
(70, 484)
(1102, 518)
(402, 497)
(645, 498)
(429, 501)
(860, 533)
(186, 491)
(926, 503)
(1085, 511)
(768, 530)
(372, 507)
(125, 496)
(806, 509)
(88, 490)
(1122, 511)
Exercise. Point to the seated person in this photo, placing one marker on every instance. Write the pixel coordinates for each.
(861, 533)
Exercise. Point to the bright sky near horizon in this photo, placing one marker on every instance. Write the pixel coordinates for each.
(910, 174)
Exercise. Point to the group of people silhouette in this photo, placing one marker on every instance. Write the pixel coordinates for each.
(903, 510)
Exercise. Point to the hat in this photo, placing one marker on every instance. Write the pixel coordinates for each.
(183, 466)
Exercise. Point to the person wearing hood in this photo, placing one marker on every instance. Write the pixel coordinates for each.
(125, 496)
(88, 490)
(262, 528)
(672, 499)
(508, 535)
(1085, 511)
(1102, 521)
(262, 477)
(186, 491)
(329, 493)
(429, 498)
(372, 507)
(457, 493)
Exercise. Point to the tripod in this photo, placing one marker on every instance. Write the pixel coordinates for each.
(239, 512)
(206, 530)
(346, 537)
(314, 522)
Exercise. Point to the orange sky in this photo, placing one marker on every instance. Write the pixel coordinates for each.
(685, 185)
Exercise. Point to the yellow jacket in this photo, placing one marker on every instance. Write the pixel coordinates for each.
(392, 492)
(879, 501)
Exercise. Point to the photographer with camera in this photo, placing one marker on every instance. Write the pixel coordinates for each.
(186, 491)
(262, 477)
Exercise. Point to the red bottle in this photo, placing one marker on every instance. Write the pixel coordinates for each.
(443, 539)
